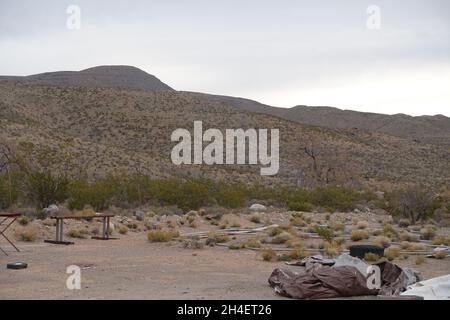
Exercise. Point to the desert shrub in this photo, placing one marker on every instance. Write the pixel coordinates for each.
(362, 225)
(8, 190)
(371, 257)
(325, 233)
(389, 231)
(440, 254)
(235, 246)
(24, 220)
(420, 259)
(403, 223)
(297, 254)
(337, 226)
(300, 206)
(298, 222)
(441, 240)
(406, 236)
(253, 242)
(187, 195)
(414, 203)
(358, 235)
(332, 249)
(255, 218)
(382, 241)
(161, 235)
(392, 253)
(97, 194)
(77, 233)
(28, 234)
(268, 255)
(335, 198)
(194, 243)
(230, 196)
(281, 237)
(215, 237)
(123, 230)
(44, 188)
(273, 231)
(428, 232)
(405, 244)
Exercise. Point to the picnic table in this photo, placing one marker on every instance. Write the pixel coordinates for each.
(60, 227)
(5, 224)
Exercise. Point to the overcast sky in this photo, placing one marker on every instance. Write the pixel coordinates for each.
(282, 53)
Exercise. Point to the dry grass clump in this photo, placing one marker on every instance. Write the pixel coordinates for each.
(295, 242)
(161, 235)
(87, 212)
(298, 222)
(442, 254)
(255, 218)
(406, 236)
(428, 232)
(358, 235)
(194, 243)
(28, 234)
(235, 246)
(273, 231)
(253, 242)
(49, 222)
(235, 224)
(371, 257)
(382, 241)
(215, 237)
(297, 254)
(405, 244)
(362, 225)
(392, 253)
(332, 249)
(282, 237)
(416, 247)
(123, 230)
(389, 231)
(337, 226)
(269, 255)
(403, 223)
(77, 233)
(441, 240)
(420, 259)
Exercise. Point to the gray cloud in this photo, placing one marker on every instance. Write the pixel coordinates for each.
(278, 52)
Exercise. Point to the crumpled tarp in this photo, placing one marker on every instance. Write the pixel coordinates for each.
(347, 260)
(320, 283)
(310, 262)
(322, 278)
(432, 289)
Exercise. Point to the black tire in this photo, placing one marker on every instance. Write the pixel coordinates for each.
(17, 265)
(359, 251)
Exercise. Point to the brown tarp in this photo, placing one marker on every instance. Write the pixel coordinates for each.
(323, 281)
(320, 283)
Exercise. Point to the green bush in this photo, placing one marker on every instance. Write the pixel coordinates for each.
(45, 188)
(335, 198)
(230, 196)
(8, 191)
(97, 194)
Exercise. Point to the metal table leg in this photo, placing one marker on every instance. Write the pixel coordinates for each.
(2, 232)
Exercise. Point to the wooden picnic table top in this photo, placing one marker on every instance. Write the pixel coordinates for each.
(12, 215)
(101, 215)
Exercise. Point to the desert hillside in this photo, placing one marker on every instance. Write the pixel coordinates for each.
(113, 130)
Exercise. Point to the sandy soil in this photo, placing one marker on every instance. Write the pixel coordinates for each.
(134, 268)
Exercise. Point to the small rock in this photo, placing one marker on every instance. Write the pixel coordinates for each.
(140, 215)
(258, 207)
(50, 210)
